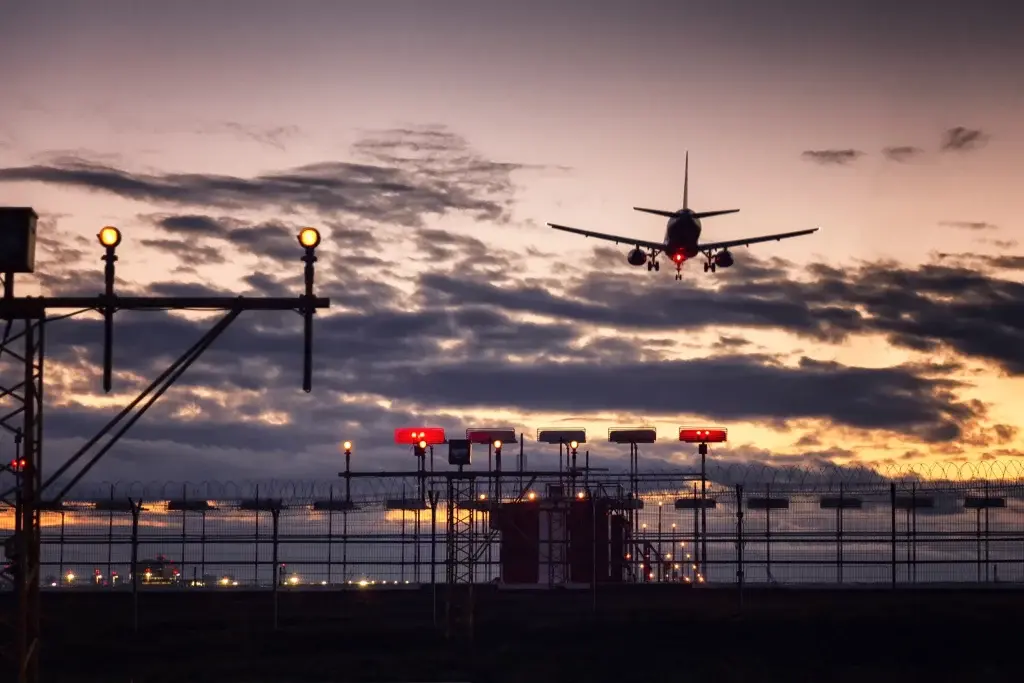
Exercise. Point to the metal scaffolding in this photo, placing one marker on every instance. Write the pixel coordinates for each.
(26, 348)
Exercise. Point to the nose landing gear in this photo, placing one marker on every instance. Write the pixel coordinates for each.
(679, 270)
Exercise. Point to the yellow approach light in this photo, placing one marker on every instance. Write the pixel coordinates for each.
(109, 237)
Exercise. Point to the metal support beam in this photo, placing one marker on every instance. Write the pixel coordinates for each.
(23, 343)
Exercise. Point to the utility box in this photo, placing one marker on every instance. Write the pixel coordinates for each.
(459, 452)
(17, 239)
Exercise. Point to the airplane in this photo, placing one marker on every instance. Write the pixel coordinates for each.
(682, 237)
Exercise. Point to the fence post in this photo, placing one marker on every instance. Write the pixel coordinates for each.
(739, 541)
(136, 510)
(275, 513)
(892, 529)
(768, 533)
(839, 536)
(433, 552)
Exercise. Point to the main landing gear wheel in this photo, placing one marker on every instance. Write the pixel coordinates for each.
(709, 266)
(653, 265)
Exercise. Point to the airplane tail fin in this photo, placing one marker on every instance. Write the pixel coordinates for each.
(686, 199)
(686, 181)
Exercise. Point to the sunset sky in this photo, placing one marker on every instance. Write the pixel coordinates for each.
(432, 141)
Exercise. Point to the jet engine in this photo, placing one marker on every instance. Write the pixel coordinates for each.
(723, 259)
(637, 257)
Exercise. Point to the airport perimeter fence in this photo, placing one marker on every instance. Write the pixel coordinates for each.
(799, 526)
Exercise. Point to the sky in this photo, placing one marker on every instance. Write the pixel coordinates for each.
(431, 142)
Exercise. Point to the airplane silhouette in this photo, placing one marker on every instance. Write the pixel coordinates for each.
(682, 237)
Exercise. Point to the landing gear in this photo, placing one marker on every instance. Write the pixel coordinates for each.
(653, 265)
(679, 270)
(709, 264)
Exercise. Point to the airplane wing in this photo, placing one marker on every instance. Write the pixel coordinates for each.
(710, 246)
(657, 246)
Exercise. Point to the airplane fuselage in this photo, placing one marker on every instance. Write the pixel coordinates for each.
(682, 235)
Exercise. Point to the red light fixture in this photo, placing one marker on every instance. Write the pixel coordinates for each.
(412, 436)
(703, 435)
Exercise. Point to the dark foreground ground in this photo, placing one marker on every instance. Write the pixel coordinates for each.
(649, 633)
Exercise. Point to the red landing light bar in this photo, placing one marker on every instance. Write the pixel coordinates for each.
(490, 435)
(410, 436)
(703, 435)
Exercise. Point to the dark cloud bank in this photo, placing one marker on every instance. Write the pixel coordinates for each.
(459, 347)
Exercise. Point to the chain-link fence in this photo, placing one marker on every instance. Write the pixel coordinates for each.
(797, 527)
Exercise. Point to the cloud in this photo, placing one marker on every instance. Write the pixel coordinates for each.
(472, 337)
(416, 174)
(832, 157)
(902, 153)
(271, 136)
(969, 225)
(961, 139)
(386, 363)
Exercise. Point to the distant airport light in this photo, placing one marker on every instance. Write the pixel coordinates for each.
(109, 237)
(702, 435)
(348, 447)
(531, 496)
(574, 444)
(309, 238)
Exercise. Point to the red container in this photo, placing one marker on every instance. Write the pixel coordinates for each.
(519, 524)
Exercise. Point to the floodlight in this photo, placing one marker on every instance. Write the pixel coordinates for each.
(109, 237)
(309, 238)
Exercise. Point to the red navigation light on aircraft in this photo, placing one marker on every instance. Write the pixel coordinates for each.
(678, 258)
(411, 436)
(702, 435)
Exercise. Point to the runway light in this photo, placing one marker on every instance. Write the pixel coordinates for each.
(531, 496)
(580, 495)
(483, 496)
(309, 238)
(109, 237)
